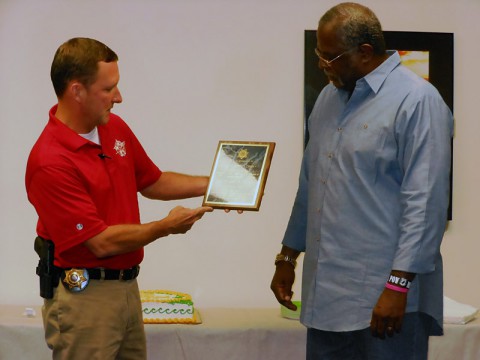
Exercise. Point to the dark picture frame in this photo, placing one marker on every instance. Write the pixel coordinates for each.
(441, 56)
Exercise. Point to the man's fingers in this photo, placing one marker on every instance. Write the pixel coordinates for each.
(381, 327)
(284, 296)
(202, 210)
(390, 330)
(377, 327)
(286, 300)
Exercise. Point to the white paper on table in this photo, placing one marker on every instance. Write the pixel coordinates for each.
(455, 312)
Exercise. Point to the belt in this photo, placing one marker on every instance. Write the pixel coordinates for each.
(76, 279)
(108, 274)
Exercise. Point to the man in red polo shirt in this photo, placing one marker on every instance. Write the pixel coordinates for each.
(83, 176)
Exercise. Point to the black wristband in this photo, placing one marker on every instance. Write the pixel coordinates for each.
(399, 281)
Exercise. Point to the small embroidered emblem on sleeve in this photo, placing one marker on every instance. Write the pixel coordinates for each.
(120, 148)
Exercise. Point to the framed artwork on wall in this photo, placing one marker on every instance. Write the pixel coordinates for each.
(429, 54)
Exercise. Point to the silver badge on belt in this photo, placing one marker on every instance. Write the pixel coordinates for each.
(76, 280)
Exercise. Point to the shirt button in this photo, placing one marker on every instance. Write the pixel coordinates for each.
(340, 129)
(323, 181)
(330, 155)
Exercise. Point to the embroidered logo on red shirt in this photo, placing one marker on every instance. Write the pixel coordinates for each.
(120, 148)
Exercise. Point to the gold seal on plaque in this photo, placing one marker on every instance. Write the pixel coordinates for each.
(243, 154)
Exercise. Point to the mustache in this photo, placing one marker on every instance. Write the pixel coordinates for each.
(328, 74)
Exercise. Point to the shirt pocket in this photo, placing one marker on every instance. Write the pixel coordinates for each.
(362, 146)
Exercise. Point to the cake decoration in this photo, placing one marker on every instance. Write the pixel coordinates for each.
(168, 307)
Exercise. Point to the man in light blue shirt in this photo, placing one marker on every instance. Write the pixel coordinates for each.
(371, 206)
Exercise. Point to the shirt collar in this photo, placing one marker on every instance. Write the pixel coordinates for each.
(64, 135)
(376, 78)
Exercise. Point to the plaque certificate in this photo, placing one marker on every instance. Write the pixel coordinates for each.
(239, 174)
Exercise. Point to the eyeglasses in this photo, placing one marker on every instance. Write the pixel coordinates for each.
(328, 63)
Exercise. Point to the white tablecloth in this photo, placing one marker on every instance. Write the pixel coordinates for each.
(225, 334)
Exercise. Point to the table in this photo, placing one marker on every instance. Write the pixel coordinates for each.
(225, 334)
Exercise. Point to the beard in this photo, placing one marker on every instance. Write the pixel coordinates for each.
(334, 80)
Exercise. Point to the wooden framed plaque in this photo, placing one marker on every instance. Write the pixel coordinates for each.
(239, 174)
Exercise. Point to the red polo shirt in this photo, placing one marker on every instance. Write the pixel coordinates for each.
(77, 193)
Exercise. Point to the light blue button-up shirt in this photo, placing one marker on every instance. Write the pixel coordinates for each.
(373, 196)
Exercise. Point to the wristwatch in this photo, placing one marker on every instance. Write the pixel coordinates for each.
(286, 258)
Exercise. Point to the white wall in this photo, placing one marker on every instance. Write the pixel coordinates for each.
(195, 72)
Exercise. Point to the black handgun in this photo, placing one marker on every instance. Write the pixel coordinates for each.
(47, 272)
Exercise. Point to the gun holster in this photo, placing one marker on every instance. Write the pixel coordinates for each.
(48, 273)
